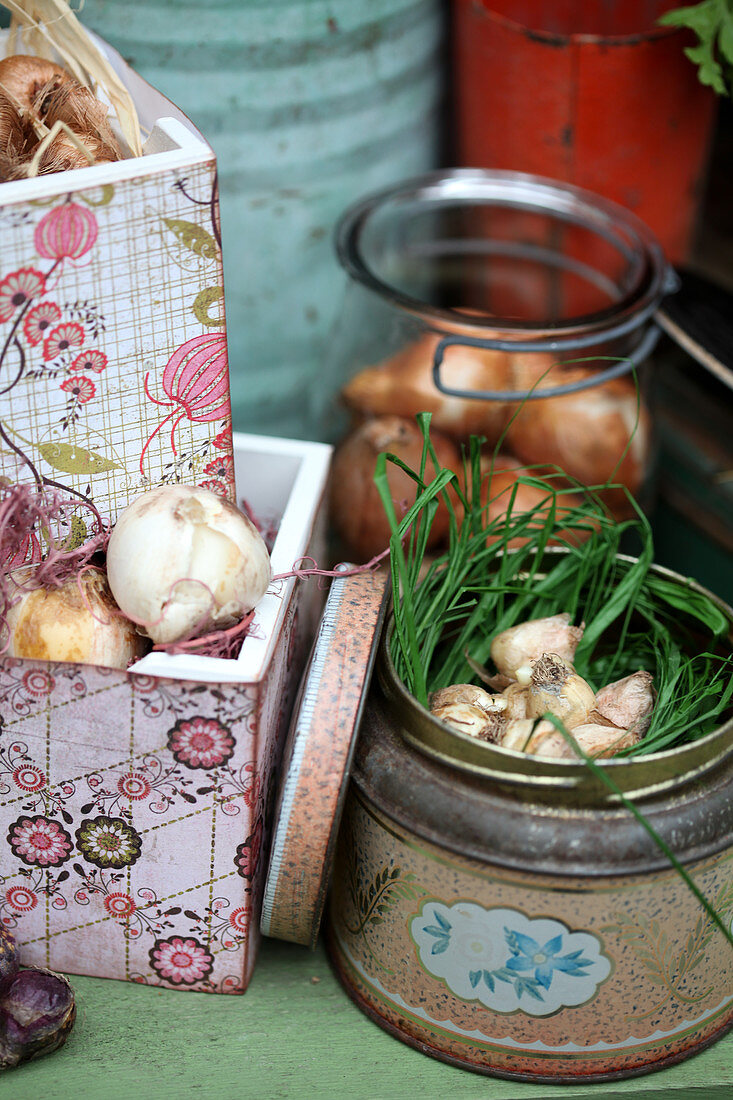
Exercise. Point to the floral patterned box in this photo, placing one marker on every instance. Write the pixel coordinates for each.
(113, 354)
(134, 806)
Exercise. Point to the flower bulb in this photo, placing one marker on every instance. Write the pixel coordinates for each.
(468, 693)
(628, 703)
(556, 687)
(472, 720)
(78, 621)
(182, 561)
(525, 642)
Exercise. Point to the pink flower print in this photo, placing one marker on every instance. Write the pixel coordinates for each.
(38, 682)
(92, 360)
(134, 785)
(18, 288)
(222, 467)
(247, 855)
(83, 389)
(66, 232)
(120, 906)
(214, 486)
(29, 778)
(21, 899)
(223, 441)
(196, 379)
(181, 961)
(39, 320)
(200, 742)
(62, 338)
(39, 842)
(239, 918)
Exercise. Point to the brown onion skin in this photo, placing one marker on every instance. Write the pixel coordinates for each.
(36, 93)
(403, 384)
(356, 508)
(24, 77)
(496, 493)
(584, 433)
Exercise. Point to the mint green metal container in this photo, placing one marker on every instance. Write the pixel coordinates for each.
(308, 104)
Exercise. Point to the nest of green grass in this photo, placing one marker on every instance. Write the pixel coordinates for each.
(447, 609)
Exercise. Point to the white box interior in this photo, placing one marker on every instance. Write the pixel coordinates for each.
(284, 480)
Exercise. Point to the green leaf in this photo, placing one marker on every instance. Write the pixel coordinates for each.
(203, 302)
(75, 460)
(712, 22)
(193, 237)
(77, 534)
(106, 194)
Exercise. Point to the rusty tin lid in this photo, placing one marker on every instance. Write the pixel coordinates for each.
(318, 754)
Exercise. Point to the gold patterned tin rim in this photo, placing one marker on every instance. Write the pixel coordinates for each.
(638, 776)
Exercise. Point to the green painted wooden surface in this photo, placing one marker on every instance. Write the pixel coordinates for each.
(295, 1033)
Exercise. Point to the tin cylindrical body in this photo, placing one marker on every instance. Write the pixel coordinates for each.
(599, 95)
(510, 915)
(306, 105)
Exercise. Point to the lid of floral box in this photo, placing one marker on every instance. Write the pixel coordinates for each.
(318, 756)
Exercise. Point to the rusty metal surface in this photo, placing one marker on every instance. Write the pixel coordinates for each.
(534, 828)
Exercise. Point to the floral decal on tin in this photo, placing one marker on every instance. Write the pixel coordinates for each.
(108, 842)
(674, 970)
(507, 961)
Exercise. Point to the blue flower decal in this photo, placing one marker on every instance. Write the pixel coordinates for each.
(506, 960)
(528, 955)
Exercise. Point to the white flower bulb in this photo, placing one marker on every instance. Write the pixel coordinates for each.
(183, 560)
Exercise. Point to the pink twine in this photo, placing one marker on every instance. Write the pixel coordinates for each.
(23, 512)
(219, 643)
(342, 570)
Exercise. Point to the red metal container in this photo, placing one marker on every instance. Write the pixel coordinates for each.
(598, 95)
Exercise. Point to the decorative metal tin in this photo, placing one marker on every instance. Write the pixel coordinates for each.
(508, 914)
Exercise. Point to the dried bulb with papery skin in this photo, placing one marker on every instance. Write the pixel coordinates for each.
(528, 736)
(629, 702)
(556, 687)
(65, 100)
(22, 77)
(521, 644)
(37, 1012)
(468, 693)
(183, 561)
(78, 621)
(543, 740)
(516, 696)
(592, 435)
(470, 719)
(601, 741)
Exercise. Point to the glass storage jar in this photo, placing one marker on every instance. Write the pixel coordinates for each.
(508, 306)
